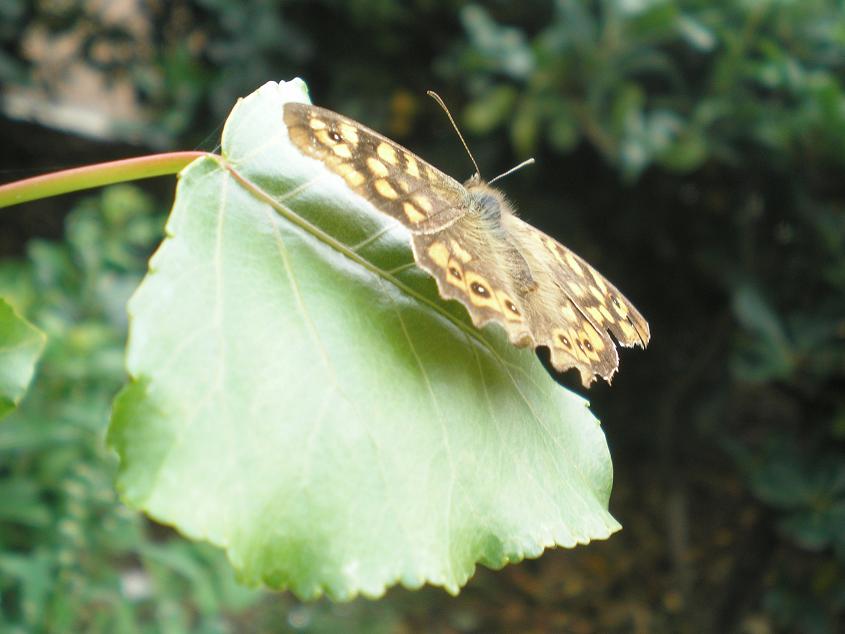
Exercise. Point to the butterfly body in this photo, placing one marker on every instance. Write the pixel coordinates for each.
(480, 253)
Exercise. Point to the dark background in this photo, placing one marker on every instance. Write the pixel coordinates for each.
(692, 151)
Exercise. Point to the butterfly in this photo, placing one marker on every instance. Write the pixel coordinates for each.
(468, 237)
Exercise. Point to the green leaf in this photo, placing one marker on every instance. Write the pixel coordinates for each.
(696, 33)
(502, 48)
(317, 410)
(686, 152)
(21, 344)
(33, 572)
(525, 129)
(490, 110)
(562, 130)
(768, 353)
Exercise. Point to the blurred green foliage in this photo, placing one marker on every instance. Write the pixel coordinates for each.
(692, 150)
(677, 84)
(72, 559)
(21, 345)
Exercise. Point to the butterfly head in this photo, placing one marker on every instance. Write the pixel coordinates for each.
(486, 202)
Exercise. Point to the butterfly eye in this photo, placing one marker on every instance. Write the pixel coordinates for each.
(564, 341)
(455, 273)
(478, 289)
(335, 136)
(615, 300)
(511, 307)
(588, 345)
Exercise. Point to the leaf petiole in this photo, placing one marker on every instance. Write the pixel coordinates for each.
(96, 175)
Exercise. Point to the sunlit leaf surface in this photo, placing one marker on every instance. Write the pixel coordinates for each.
(302, 397)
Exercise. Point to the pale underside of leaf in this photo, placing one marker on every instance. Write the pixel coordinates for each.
(302, 397)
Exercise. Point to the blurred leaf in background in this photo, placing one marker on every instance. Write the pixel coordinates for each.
(21, 344)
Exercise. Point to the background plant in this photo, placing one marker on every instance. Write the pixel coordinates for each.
(691, 151)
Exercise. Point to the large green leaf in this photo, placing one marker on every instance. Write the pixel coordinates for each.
(21, 344)
(317, 409)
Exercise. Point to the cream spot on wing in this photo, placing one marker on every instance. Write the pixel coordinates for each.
(385, 189)
(569, 314)
(551, 245)
(344, 168)
(599, 282)
(628, 330)
(597, 293)
(387, 153)
(412, 168)
(595, 313)
(458, 250)
(573, 264)
(439, 254)
(413, 214)
(349, 133)
(404, 185)
(342, 150)
(377, 167)
(424, 203)
(317, 124)
(606, 314)
(353, 177)
(576, 288)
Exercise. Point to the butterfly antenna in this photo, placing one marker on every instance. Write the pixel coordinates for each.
(512, 170)
(442, 104)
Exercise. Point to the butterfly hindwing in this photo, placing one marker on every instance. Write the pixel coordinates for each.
(475, 268)
(578, 307)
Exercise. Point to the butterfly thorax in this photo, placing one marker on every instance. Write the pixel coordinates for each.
(485, 220)
(486, 202)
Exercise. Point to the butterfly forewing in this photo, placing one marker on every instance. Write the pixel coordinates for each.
(575, 307)
(597, 299)
(473, 266)
(395, 180)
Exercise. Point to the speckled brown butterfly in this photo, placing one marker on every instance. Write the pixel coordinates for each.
(468, 237)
